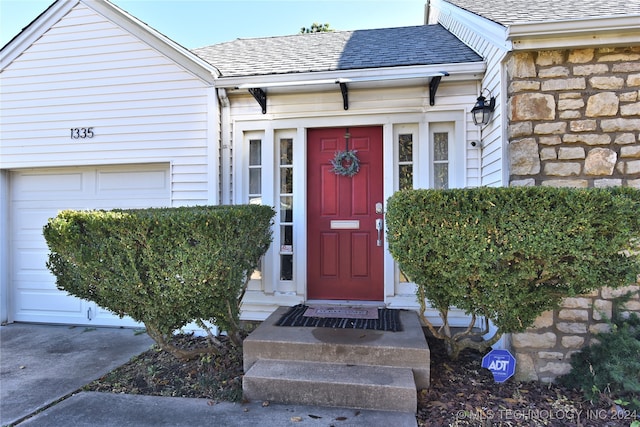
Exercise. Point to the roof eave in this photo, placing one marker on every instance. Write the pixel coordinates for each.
(455, 71)
(609, 31)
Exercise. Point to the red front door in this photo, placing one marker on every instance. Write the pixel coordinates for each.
(344, 255)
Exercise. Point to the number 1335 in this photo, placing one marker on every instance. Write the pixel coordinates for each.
(81, 133)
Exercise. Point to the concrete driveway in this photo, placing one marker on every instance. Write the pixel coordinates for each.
(39, 364)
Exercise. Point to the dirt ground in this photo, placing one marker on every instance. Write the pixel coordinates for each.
(462, 393)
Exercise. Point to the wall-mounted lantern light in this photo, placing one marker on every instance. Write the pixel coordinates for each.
(483, 110)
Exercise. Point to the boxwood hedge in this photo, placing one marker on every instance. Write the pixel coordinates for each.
(164, 267)
(508, 254)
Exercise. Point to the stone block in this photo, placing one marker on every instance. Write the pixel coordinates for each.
(550, 57)
(572, 327)
(558, 71)
(600, 161)
(520, 129)
(576, 83)
(626, 67)
(521, 65)
(562, 169)
(532, 106)
(630, 109)
(570, 183)
(529, 182)
(576, 302)
(583, 125)
(549, 153)
(571, 153)
(620, 125)
(550, 355)
(630, 152)
(570, 114)
(599, 328)
(523, 157)
(523, 86)
(619, 57)
(525, 368)
(550, 140)
(550, 128)
(632, 305)
(580, 56)
(572, 341)
(632, 167)
(556, 368)
(570, 104)
(544, 320)
(628, 96)
(587, 138)
(607, 182)
(602, 309)
(606, 82)
(602, 104)
(633, 80)
(625, 138)
(573, 315)
(590, 69)
(634, 183)
(533, 340)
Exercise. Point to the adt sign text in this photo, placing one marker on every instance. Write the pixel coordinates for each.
(501, 364)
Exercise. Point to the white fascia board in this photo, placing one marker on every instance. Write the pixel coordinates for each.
(463, 71)
(34, 31)
(491, 31)
(613, 30)
(179, 54)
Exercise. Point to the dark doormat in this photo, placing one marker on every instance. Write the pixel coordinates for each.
(388, 320)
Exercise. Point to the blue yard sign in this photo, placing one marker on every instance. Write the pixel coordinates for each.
(501, 364)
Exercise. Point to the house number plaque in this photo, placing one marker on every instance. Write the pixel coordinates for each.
(81, 133)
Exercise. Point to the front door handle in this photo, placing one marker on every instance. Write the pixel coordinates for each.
(379, 228)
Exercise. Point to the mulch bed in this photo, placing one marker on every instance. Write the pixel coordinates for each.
(461, 393)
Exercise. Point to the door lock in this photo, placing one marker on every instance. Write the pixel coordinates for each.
(379, 208)
(379, 228)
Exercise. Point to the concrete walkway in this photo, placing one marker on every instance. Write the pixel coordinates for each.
(42, 367)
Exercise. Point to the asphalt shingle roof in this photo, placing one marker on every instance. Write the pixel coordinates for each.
(338, 50)
(508, 12)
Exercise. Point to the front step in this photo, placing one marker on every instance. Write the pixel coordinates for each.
(308, 356)
(325, 384)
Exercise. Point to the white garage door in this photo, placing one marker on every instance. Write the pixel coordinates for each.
(39, 194)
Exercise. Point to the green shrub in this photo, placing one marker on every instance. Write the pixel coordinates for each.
(509, 254)
(610, 367)
(163, 267)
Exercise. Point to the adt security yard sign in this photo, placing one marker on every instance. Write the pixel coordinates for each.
(501, 364)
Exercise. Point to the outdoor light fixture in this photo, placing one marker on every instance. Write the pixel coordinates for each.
(483, 109)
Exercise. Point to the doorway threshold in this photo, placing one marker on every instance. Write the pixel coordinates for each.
(333, 302)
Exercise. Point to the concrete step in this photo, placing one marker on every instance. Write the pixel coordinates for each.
(331, 384)
(404, 349)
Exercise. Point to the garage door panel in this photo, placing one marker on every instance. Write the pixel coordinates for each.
(49, 186)
(38, 195)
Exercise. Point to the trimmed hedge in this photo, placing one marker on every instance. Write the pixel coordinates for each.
(509, 254)
(163, 267)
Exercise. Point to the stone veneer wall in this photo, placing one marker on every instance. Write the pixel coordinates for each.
(574, 121)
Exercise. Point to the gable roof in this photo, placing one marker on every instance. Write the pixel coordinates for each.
(509, 12)
(339, 50)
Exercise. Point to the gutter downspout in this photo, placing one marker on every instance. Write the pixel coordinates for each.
(225, 147)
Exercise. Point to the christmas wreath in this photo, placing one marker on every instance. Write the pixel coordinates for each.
(345, 163)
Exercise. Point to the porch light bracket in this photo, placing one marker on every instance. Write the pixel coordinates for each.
(260, 96)
(483, 109)
(345, 95)
(433, 87)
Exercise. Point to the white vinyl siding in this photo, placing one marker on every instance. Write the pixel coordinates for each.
(86, 71)
(470, 31)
